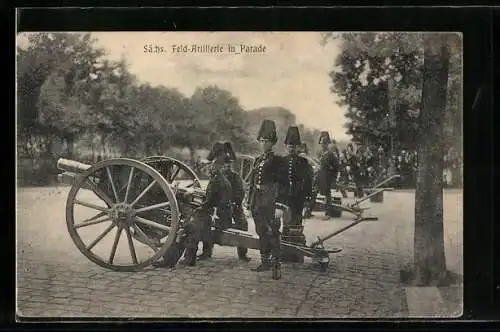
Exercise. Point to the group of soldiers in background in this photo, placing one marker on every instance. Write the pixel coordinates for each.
(406, 164)
(363, 167)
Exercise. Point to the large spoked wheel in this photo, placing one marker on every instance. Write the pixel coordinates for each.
(133, 200)
(174, 171)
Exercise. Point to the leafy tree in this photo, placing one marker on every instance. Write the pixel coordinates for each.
(215, 114)
(63, 60)
(378, 78)
(369, 68)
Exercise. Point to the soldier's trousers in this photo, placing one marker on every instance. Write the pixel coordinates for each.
(241, 223)
(267, 226)
(296, 205)
(197, 229)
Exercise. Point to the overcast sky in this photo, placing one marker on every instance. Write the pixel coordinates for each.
(292, 72)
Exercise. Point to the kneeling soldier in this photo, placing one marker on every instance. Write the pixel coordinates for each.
(198, 225)
(218, 198)
(237, 196)
(266, 181)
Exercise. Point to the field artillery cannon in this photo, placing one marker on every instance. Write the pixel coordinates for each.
(149, 201)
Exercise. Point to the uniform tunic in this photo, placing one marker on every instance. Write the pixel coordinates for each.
(299, 186)
(218, 195)
(328, 171)
(197, 226)
(266, 184)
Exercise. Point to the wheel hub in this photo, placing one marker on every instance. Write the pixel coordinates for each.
(123, 214)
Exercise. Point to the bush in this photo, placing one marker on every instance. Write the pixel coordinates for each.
(37, 172)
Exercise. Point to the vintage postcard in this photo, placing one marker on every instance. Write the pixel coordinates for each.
(239, 175)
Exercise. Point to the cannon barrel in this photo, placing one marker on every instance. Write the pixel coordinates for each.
(73, 166)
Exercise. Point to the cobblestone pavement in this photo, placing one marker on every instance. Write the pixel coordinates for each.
(54, 279)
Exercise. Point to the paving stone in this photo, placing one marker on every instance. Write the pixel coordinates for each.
(362, 281)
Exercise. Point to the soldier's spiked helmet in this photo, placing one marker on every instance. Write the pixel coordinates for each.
(267, 131)
(324, 137)
(230, 155)
(293, 136)
(218, 149)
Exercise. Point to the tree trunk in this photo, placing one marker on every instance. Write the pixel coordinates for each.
(429, 255)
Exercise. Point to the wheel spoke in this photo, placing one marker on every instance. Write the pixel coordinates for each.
(92, 206)
(115, 245)
(112, 184)
(143, 192)
(129, 184)
(152, 223)
(94, 220)
(152, 207)
(142, 236)
(174, 175)
(100, 237)
(131, 246)
(99, 193)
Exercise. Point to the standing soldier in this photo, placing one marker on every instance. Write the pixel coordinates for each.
(355, 168)
(237, 196)
(299, 189)
(326, 176)
(266, 183)
(381, 164)
(343, 172)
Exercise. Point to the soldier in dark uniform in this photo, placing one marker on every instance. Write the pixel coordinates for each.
(355, 166)
(218, 197)
(326, 176)
(299, 189)
(197, 227)
(381, 164)
(266, 183)
(343, 172)
(237, 196)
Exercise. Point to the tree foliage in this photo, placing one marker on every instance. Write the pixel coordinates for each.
(378, 79)
(69, 91)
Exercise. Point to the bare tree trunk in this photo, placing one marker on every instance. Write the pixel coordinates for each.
(429, 255)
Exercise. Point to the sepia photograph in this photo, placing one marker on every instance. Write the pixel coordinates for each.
(239, 175)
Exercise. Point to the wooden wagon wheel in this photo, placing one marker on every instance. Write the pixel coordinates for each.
(174, 171)
(132, 198)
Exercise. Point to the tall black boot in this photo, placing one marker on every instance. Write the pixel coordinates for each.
(207, 251)
(189, 257)
(242, 254)
(276, 266)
